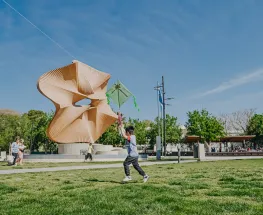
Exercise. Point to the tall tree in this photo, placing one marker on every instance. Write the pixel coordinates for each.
(173, 132)
(37, 127)
(237, 122)
(25, 124)
(141, 131)
(255, 127)
(153, 132)
(111, 136)
(9, 129)
(38, 121)
(12, 125)
(205, 125)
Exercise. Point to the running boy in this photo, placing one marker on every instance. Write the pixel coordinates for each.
(133, 155)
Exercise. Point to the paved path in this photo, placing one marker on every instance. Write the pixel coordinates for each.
(220, 158)
(95, 166)
(118, 165)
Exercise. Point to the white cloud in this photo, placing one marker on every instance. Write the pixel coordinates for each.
(238, 81)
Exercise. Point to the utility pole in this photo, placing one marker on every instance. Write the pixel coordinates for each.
(164, 104)
(158, 138)
(164, 117)
(158, 106)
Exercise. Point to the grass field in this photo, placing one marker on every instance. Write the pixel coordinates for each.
(31, 165)
(207, 188)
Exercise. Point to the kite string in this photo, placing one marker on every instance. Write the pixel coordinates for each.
(52, 40)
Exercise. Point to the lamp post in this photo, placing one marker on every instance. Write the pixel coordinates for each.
(164, 118)
(158, 138)
(157, 88)
(164, 104)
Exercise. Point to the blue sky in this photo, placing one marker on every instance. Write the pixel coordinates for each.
(210, 52)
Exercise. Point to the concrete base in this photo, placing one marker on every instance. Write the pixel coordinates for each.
(10, 159)
(107, 152)
(3, 155)
(72, 148)
(158, 155)
(102, 148)
(76, 148)
(201, 152)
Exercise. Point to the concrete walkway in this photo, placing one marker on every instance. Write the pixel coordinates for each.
(221, 158)
(95, 166)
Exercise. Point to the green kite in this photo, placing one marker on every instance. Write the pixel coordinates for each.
(119, 94)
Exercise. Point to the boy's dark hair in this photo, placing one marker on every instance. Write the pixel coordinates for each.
(130, 130)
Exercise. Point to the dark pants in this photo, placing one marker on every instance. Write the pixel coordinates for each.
(88, 156)
(15, 157)
(134, 161)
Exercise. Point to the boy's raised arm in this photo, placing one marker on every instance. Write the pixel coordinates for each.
(123, 133)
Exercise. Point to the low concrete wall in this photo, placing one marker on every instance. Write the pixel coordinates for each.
(217, 158)
(102, 148)
(123, 152)
(76, 158)
(75, 148)
(3, 156)
(234, 154)
(201, 152)
(72, 148)
(107, 152)
(53, 156)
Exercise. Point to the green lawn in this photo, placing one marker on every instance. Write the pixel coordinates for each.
(31, 165)
(207, 188)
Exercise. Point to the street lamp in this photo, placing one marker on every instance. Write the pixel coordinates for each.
(158, 87)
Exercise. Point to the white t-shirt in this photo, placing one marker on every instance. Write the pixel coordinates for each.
(90, 149)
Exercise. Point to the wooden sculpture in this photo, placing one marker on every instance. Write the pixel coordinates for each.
(65, 87)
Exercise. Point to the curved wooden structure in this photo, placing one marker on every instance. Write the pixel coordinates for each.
(65, 87)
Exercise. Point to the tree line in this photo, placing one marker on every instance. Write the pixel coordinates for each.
(32, 126)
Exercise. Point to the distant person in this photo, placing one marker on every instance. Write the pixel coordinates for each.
(21, 151)
(15, 150)
(133, 155)
(90, 151)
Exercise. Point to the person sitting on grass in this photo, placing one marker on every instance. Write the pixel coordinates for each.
(133, 155)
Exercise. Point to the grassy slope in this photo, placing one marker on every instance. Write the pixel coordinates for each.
(224, 187)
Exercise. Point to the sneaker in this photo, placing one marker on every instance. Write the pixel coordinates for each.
(127, 178)
(145, 178)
